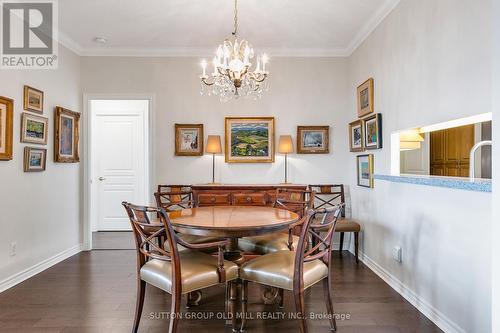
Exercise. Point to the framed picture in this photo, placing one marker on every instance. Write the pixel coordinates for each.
(35, 159)
(34, 129)
(356, 136)
(365, 170)
(6, 125)
(33, 100)
(373, 131)
(189, 139)
(313, 139)
(249, 140)
(66, 136)
(365, 98)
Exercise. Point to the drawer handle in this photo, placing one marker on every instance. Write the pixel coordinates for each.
(212, 199)
(249, 199)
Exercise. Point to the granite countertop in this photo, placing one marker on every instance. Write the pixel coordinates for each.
(460, 183)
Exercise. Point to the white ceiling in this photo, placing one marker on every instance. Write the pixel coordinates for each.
(196, 27)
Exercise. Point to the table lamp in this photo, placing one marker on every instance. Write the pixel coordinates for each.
(285, 146)
(213, 147)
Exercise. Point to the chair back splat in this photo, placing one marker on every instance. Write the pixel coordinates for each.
(297, 201)
(174, 197)
(145, 236)
(328, 195)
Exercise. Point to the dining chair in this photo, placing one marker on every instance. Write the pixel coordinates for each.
(330, 195)
(175, 197)
(299, 269)
(175, 272)
(297, 201)
(177, 200)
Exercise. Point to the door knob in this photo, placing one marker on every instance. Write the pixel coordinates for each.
(102, 178)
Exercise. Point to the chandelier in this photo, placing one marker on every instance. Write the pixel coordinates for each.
(232, 76)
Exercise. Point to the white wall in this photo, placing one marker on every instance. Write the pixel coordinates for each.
(495, 234)
(431, 61)
(39, 211)
(302, 92)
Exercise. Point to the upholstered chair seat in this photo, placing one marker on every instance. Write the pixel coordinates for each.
(277, 269)
(266, 243)
(347, 225)
(297, 201)
(198, 271)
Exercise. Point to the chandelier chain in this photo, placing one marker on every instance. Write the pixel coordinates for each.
(235, 30)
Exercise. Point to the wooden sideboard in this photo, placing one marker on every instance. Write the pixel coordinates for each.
(226, 194)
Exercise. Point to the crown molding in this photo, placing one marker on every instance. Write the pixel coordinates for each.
(365, 31)
(204, 52)
(371, 25)
(69, 43)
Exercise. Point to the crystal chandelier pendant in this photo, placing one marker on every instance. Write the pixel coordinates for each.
(233, 75)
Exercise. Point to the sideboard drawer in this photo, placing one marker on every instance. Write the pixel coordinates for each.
(211, 199)
(249, 199)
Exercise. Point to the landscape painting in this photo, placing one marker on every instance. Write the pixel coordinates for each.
(313, 139)
(33, 100)
(250, 140)
(34, 129)
(34, 159)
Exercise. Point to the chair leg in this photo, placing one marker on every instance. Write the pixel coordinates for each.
(329, 305)
(356, 246)
(141, 290)
(232, 305)
(341, 245)
(300, 310)
(175, 311)
(281, 296)
(244, 305)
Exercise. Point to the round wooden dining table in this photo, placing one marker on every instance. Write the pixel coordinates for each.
(231, 221)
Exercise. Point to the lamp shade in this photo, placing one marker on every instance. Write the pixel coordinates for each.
(411, 136)
(409, 145)
(213, 144)
(285, 145)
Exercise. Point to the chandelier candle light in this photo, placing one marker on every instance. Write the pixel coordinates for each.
(232, 76)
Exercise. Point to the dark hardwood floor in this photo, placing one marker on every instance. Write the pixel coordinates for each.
(113, 240)
(95, 292)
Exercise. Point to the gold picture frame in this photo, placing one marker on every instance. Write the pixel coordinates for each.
(365, 97)
(365, 169)
(356, 136)
(33, 100)
(249, 139)
(6, 128)
(189, 139)
(35, 159)
(313, 139)
(67, 124)
(34, 129)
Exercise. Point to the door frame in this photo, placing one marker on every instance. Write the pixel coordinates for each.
(88, 189)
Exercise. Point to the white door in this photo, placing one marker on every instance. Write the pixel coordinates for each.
(119, 160)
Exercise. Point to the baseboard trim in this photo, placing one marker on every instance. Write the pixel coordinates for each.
(434, 315)
(38, 268)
